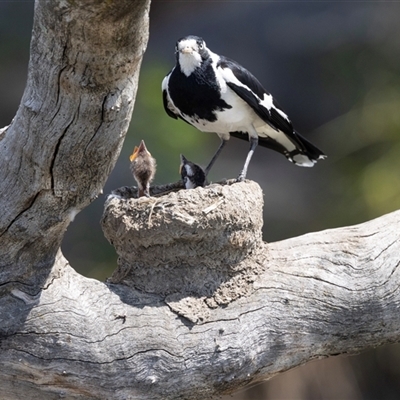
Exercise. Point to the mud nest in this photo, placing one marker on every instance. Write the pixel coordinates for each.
(200, 243)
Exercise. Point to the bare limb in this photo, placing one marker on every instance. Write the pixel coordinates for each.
(199, 305)
(279, 306)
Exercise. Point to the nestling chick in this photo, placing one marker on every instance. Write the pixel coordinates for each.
(143, 167)
(192, 174)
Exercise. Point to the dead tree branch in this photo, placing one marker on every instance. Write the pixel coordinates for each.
(199, 305)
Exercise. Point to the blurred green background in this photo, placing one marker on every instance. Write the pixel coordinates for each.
(334, 67)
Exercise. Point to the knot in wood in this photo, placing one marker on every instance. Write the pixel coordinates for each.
(189, 241)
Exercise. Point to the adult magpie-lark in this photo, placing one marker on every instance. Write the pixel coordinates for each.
(192, 174)
(216, 94)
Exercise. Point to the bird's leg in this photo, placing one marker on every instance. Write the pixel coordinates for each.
(146, 190)
(143, 190)
(215, 156)
(253, 145)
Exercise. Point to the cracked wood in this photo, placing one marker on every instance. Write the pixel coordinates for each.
(66, 336)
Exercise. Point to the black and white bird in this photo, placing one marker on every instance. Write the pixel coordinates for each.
(216, 94)
(192, 174)
(143, 168)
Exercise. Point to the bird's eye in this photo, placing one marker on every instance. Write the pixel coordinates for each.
(201, 45)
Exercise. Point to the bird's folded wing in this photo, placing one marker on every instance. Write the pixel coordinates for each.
(247, 87)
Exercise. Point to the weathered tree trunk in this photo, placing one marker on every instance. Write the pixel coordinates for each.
(61, 146)
(199, 305)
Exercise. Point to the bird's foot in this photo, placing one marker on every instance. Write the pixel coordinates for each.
(241, 177)
(144, 193)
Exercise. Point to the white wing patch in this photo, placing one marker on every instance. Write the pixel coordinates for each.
(228, 76)
(282, 113)
(267, 101)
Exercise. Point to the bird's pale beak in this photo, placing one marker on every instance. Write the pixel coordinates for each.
(183, 160)
(186, 50)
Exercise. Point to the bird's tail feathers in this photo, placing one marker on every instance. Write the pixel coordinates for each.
(304, 155)
(313, 152)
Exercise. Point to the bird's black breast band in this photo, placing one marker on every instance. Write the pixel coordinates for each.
(198, 94)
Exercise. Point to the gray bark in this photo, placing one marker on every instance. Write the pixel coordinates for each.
(199, 305)
(61, 146)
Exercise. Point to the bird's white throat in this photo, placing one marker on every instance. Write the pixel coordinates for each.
(189, 62)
